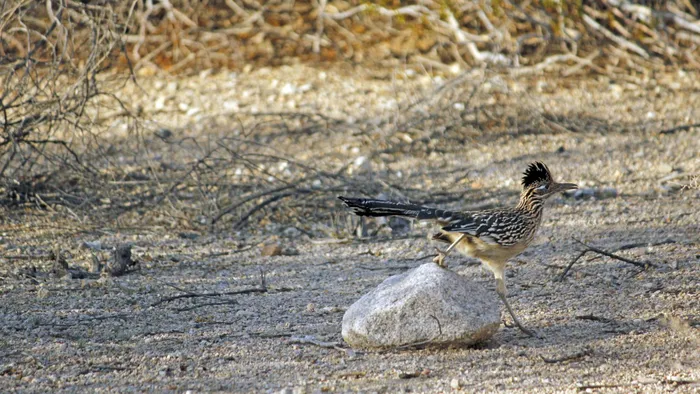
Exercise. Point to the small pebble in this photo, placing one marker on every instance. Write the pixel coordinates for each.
(599, 193)
(288, 89)
(94, 245)
(272, 249)
(188, 235)
(582, 193)
(454, 383)
(291, 232)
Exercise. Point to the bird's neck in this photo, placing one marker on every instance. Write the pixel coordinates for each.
(530, 204)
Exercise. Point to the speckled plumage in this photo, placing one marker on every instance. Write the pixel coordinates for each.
(493, 236)
(498, 227)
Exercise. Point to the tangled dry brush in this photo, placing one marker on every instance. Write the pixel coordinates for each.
(61, 62)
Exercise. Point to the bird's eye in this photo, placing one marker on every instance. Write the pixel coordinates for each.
(542, 188)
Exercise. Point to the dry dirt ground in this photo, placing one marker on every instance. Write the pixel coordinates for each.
(608, 326)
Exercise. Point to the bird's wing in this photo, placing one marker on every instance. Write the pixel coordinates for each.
(492, 227)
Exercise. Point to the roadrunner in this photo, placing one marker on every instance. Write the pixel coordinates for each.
(492, 236)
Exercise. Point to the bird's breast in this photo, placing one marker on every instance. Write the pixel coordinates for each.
(475, 247)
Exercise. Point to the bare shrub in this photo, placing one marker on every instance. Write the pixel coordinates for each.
(180, 35)
(54, 57)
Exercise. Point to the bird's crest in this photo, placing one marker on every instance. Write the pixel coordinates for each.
(536, 173)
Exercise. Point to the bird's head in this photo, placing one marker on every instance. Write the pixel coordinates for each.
(538, 182)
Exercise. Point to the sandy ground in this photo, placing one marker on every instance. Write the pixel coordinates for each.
(608, 326)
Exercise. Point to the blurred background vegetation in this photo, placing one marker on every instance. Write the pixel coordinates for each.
(181, 35)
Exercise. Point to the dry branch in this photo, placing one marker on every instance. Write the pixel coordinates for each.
(592, 249)
(679, 128)
(211, 294)
(615, 38)
(51, 86)
(262, 288)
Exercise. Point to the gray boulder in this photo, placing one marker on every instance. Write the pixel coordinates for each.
(405, 309)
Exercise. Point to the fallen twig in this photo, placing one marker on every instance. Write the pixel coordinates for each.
(643, 244)
(614, 256)
(568, 267)
(188, 294)
(310, 340)
(382, 268)
(595, 318)
(679, 128)
(583, 387)
(214, 294)
(634, 245)
(271, 334)
(575, 356)
(589, 248)
(352, 374)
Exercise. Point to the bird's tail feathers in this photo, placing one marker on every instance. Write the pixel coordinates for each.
(369, 207)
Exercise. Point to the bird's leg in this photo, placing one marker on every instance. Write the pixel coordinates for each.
(440, 258)
(501, 290)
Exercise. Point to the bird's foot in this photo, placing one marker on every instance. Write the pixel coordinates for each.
(440, 258)
(526, 331)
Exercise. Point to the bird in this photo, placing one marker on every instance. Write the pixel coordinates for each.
(493, 236)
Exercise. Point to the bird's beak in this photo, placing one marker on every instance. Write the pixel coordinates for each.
(560, 187)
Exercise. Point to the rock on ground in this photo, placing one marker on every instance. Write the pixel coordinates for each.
(429, 305)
